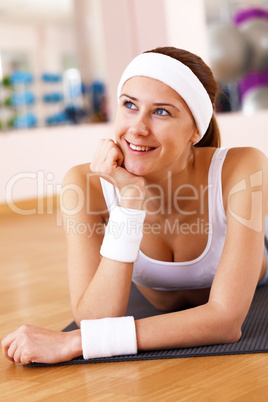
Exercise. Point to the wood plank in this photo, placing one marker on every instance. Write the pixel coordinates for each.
(31, 206)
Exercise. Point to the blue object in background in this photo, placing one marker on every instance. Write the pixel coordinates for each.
(98, 91)
(75, 114)
(49, 77)
(53, 97)
(25, 121)
(99, 102)
(57, 118)
(20, 77)
(73, 95)
(23, 98)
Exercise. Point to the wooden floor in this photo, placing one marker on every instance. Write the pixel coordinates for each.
(34, 289)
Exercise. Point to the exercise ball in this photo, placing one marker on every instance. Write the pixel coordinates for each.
(229, 52)
(255, 99)
(256, 32)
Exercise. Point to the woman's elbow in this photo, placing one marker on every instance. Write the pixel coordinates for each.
(79, 315)
(232, 335)
(84, 311)
(225, 324)
(229, 331)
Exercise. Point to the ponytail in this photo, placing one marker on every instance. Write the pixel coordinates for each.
(212, 137)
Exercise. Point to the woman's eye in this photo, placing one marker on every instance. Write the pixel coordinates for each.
(129, 105)
(162, 112)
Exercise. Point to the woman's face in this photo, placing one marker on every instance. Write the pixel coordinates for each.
(154, 127)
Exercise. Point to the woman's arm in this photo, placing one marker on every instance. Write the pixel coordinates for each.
(99, 286)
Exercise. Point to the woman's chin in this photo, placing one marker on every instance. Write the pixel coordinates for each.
(135, 168)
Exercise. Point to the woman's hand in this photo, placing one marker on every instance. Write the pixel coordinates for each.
(30, 344)
(108, 162)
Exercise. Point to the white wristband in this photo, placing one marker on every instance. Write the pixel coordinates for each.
(123, 234)
(108, 337)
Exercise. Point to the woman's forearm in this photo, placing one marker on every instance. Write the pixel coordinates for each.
(108, 292)
(203, 325)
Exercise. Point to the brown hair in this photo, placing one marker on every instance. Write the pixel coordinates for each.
(212, 136)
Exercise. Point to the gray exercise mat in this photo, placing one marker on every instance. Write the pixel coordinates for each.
(254, 333)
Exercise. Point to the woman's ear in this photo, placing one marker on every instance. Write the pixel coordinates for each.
(195, 137)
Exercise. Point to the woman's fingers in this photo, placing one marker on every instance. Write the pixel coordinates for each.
(17, 355)
(9, 346)
(107, 157)
(100, 154)
(114, 158)
(12, 350)
(34, 344)
(13, 343)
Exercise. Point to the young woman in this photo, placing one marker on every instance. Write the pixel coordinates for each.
(185, 222)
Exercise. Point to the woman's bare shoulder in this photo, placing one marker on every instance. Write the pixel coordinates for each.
(245, 161)
(245, 167)
(81, 183)
(245, 152)
(77, 173)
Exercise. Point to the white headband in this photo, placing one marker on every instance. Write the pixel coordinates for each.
(177, 76)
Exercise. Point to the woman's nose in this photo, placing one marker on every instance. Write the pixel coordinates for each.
(139, 127)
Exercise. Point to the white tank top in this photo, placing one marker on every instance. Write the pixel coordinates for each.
(195, 274)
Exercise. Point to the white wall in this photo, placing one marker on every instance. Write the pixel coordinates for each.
(89, 40)
(46, 155)
(186, 26)
(239, 130)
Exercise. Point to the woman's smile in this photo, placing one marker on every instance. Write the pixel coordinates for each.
(139, 149)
